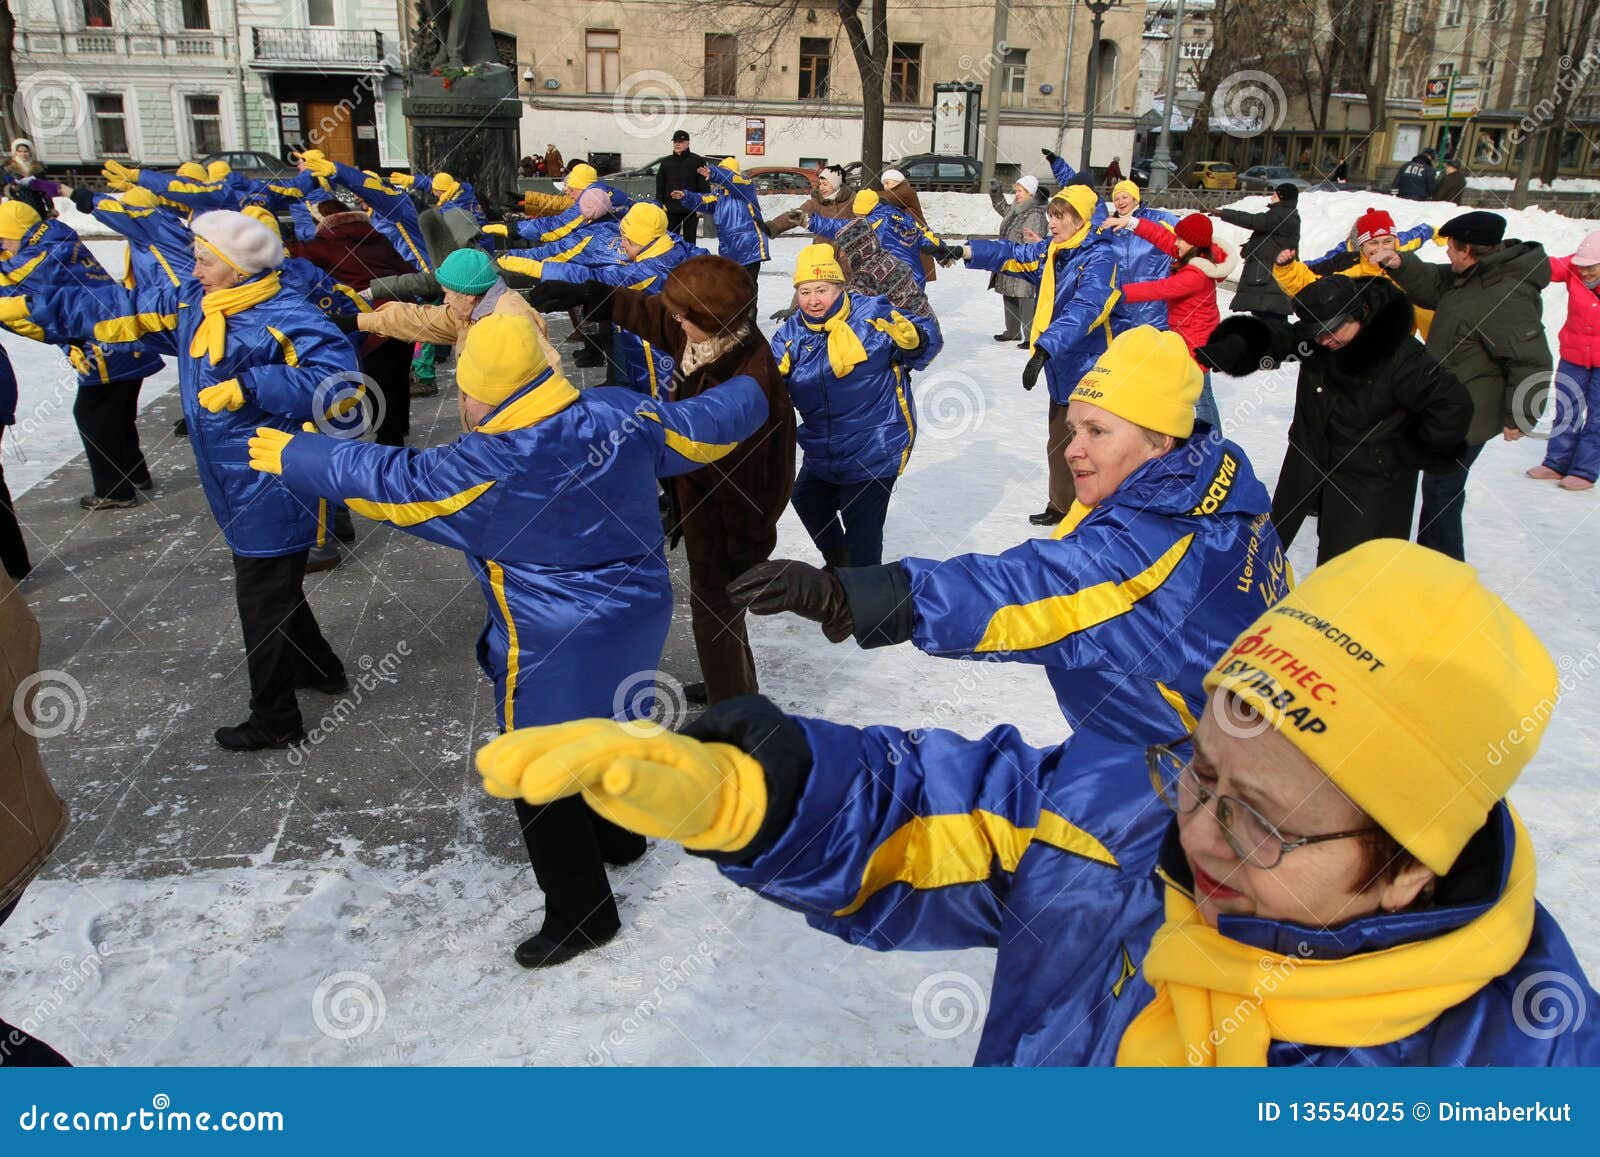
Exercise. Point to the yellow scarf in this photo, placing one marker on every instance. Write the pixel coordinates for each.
(1069, 521)
(1220, 1002)
(845, 351)
(211, 337)
(1045, 308)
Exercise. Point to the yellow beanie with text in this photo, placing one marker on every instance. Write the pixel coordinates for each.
(1147, 377)
(817, 263)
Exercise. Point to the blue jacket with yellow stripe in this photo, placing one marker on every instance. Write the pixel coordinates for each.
(1126, 611)
(643, 367)
(53, 261)
(551, 228)
(594, 243)
(736, 213)
(291, 362)
(160, 247)
(899, 233)
(553, 499)
(1086, 281)
(1341, 254)
(1058, 858)
(863, 425)
(392, 212)
(463, 196)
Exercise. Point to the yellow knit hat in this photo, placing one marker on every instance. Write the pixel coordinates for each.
(865, 202)
(500, 356)
(1407, 682)
(581, 177)
(817, 263)
(1082, 200)
(729, 163)
(1148, 377)
(265, 216)
(192, 171)
(644, 223)
(16, 219)
(1125, 186)
(140, 197)
(217, 170)
(444, 184)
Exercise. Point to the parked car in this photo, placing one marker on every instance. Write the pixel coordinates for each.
(257, 166)
(1210, 175)
(930, 172)
(1268, 177)
(782, 179)
(1139, 173)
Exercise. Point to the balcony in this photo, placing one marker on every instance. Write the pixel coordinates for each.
(336, 49)
(198, 45)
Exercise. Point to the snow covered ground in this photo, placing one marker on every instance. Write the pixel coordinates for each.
(339, 961)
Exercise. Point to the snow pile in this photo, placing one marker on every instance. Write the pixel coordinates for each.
(1561, 184)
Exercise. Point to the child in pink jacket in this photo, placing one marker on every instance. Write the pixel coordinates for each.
(1573, 453)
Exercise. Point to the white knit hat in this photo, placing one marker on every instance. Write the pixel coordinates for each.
(893, 177)
(246, 244)
(1029, 182)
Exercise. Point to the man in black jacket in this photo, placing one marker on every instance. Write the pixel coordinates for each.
(1372, 409)
(1454, 182)
(1416, 178)
(1270, 233)
(680, 171)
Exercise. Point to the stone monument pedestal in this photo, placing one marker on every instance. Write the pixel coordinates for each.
(470, 130)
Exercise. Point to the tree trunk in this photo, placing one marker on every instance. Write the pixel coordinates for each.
(11, 119)
(1543, 77)
(872, 59)
(1377, 82)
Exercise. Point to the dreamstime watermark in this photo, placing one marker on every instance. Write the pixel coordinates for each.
(74, 974)
(56, 103)
(1573, 673)
(950, 405)
(1275, 970)
(672, 975)
(1249, 103)
(347, 1005)
(49, 703)
(373, 672)
(1532, 397)
(1571, 77)
(649, 103)
(348, 404)
(1547, 1004)
(946, 1005)
(648, 701)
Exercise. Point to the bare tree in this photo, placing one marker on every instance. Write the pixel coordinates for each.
(1573, 25)
(10, 114)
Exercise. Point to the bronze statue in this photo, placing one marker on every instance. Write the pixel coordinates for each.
(462, 34)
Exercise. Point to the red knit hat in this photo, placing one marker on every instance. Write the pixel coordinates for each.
(1196, 230)
(713, 292)
(1373, 223)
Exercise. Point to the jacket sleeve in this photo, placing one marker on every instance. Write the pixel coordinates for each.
(148, 314)
(1413, 237)
(546, 204)
(290, 391)
(1096, 294)
(1515, 340)
(932, 342)
(564, 249)
(1440, 408)
(1560, 269)
(198, 196)
(1156, 234)
(429, 323)
(645, 315)
(910, 839)
(828, 226)
(699, 202)
(438, 494)
(1180, 284)
(551, 227)
(704, 428)
(1064, 173)
(1424, 283)
(1293, 277)
(1254, 222)
(1024, 259)
(405, 287)
(633, 275)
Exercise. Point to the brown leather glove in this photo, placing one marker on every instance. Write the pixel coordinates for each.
(785, 585)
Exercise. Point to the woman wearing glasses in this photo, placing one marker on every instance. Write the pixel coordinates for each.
(1336, 879)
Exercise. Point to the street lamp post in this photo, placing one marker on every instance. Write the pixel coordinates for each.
(1162, 161)
(1099, 8)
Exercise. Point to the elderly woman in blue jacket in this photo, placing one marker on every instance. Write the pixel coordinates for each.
(1336, 878)
(448, 191)
(551, 494)
(847, 359)
(1076, 271)
(251, 352)
(1167, 554)
(733, 206)
(899, 233)
(390, 207)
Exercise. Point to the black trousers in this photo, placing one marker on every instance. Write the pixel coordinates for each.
(569, 847)
(844, 519)
(389, 367)
(283, 644)
(13, 548)
(18, 1048)
(684, 222)
(107, 422)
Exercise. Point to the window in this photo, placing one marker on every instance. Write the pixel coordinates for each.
(1494, 11)
(1413, 16)
(205, 117)
(1536, 8)
(816, 57)
(1404, 83)
(197, 15)
(722, 68)
(319, 13)
(602, 60)
(1452, 13)
(1486, 89)
(110, 128)
(905, 74)
(1445, 68)
(1014, 78)
(97, 13)
(1106, 83)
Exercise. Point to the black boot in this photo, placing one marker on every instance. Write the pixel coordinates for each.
(695, 693)
(589, 358)
(1049, 516)
(249, 736)
(541, 951)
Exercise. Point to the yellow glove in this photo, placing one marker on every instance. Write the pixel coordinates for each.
(228, 395)
(706, 796)
(404, 180)
(523, 265)
(899, 329)
(317, 164)
(497, 230)
(14, 308)
(266, 449)
(118, 176)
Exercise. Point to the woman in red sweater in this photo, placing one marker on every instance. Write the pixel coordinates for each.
(1199, 265)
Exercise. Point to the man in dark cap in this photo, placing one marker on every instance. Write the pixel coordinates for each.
(680, 171)
(1454, 182)
(1488, 330)
(1416, 178)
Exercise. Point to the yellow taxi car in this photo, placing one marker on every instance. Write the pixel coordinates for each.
(1211, 175)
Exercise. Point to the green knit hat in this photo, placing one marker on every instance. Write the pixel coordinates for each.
(467, 271)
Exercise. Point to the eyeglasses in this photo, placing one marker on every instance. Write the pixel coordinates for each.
(1251, 836)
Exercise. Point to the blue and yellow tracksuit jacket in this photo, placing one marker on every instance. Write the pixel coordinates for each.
(553, 499)
(198, 195)
(556, 226)
(392, 212)
(899, 233)
(1058, 858)
(1409, 239)
(289, 360)
(1086, 281)
(736, 212)
(863, 425)
(596, 243)
(160, 247)
(1137, 260)
(644, 368)
(53, 262)
(1127, 611)
(463, 196)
